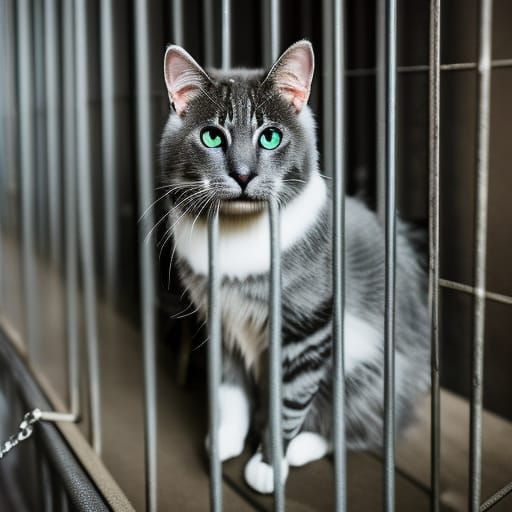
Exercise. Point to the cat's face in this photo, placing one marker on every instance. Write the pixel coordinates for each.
(236, 139)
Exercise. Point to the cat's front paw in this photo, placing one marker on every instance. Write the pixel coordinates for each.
(231, 443)
(306, 447)
(260, 475)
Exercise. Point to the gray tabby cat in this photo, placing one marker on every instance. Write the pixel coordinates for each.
(233, 140)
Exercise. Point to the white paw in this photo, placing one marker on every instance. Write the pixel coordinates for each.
(260, 475)
(306, 447)
(234, 422)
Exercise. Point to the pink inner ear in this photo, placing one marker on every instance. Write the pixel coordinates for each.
(293, 76)
(183, 79)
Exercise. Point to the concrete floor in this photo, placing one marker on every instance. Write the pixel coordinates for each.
(182, 419)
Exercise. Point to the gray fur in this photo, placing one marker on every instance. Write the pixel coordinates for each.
(238, 101)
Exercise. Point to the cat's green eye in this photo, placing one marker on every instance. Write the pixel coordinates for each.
(270, 138)
(212, 137)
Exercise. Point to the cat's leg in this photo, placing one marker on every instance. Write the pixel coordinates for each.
(305, 365)
(234, 408)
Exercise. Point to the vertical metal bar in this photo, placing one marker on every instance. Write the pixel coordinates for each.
(214, 311)
(265, 34)
(40, 169)
(10, 108)
(338, 259)
(327, 88)
(53, 143)
(380, 88)
(484, 114)
(275, 359)
(177, 22)
(275, 29)
(226, 34)
(69, 138)
(27, 147)
(390, 241)
(434, 104)
(109, 148)
(146, 251)
(85, 218)
(209, 36)
(3, 141)
(214, 361)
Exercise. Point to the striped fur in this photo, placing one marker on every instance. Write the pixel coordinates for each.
(242, 102)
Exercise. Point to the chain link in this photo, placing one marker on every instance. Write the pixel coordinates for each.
(24, 432)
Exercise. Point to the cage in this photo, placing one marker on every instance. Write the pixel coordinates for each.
(96, 339)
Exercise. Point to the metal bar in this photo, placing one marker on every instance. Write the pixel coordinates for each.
(85, 217)
(380, 89)
(57, 416)
(482, 177)
(226, 34)
(27, 147)
(145, 172)
(3, 139)
(496, 297)
(275, 358)
(327, 88)
(53, 129)
(39, 116)
(69, 138)
(275, 305)
(11, 108)
(177, 22)
(209, 36)
(275, 29)
(420, 68)
(265, 33)
(434, 105)
(338, 268)
(390, 241)
(214, 361)
(496, 498)
(109, 150)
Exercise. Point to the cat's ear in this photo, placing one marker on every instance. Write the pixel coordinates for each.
(293, 72)
(184, 78)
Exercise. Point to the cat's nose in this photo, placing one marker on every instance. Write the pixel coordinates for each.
(242, 175)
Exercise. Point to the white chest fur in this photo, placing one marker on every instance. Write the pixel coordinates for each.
(244, 247)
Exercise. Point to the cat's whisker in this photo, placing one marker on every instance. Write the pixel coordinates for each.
(153, 204)
(183, 313)
(148, 236)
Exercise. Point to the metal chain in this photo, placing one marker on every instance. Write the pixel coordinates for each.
(24, 432)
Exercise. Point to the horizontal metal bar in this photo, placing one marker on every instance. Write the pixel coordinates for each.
(496, 297)
(420, 68)
(496, 497)
(58, 416)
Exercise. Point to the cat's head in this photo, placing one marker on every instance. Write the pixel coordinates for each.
(235, 139)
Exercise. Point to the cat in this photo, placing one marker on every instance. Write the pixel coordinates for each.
(235, 139)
